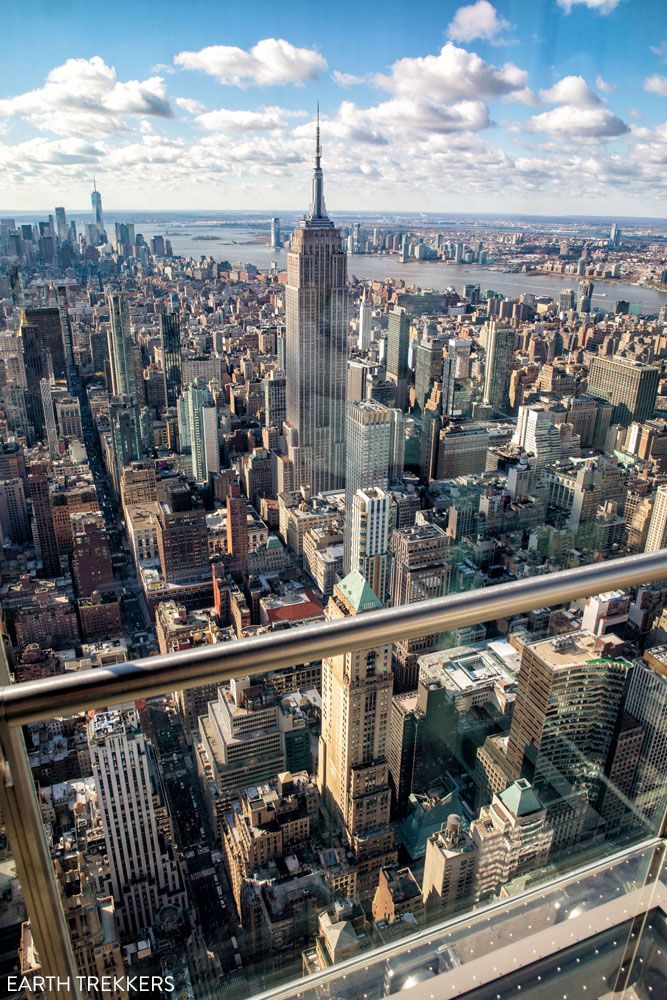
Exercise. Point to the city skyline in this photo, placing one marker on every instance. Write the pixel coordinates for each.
(223, 439)
(474, 107)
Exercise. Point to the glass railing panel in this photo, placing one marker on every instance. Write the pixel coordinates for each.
(570, 937)
(209, 845)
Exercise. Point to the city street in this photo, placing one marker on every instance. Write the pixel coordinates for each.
(136, 620)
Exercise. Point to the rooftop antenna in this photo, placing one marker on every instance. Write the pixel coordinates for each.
(318, 211)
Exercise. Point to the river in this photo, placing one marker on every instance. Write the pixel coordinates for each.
(238, 246)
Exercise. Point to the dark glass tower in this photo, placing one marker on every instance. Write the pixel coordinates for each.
(96, 202)
(170, 332)
(50, 334)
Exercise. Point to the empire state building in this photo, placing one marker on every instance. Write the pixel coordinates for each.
(316, 346)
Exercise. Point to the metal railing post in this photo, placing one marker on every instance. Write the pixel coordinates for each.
(25, 831)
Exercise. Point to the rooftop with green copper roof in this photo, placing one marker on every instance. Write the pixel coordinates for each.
(355, 589)
(521, 799)
(424, 819)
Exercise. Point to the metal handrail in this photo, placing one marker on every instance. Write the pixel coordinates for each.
(34, 701)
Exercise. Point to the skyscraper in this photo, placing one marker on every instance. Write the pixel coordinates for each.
(274, 399)
(124, 238)
(237, 529)
(656, 538)
(123, 378)
(203, 423)
(398, 342)
(566, 300)
(125, 434)
(419, 571)
(459, 353)
(14, 522)
(374, 455)
(49, 417)
(647, 702)
(431, 426)
(428, 369)
(511, 835)
(499, 358)
(61, 225)
(50, 337)
(96, 202)
(241, 738)
(68, 343)
(567, 702)
(42, 511)
(537, 434)
(371, 519)
(365, 314)
(18, 404)
(35, 371)
(91, 557)
(144, 873)
(353, 774)
(585, 296)
(630, 386)
(170, 335)
(276, 241)
(182, 540)
(316, 345)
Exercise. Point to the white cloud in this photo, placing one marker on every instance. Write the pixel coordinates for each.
(192, 107)
(350, 124)
(406, 114)
(656, 84)
(581, 113)
(227, 120)
(660, 50)
(455, 74)
(52, 152)
(430, 171)
(270, 62)
(348, 79)
(85, 97)
(604, 85)
(399, 117)
(153, 150)
(478, 20)
(423, 144)
(259, 153)
(600, 6)
(571, 90)
(573, 122)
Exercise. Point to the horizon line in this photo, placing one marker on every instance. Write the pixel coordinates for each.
(361, 212)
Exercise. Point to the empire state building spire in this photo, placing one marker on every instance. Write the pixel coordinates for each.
(318, 209)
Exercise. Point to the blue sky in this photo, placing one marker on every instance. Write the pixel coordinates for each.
(554, 106)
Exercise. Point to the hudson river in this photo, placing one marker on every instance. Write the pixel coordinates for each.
(237, 246)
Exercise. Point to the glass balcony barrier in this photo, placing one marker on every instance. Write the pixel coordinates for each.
(179, 829)
(600, 931)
